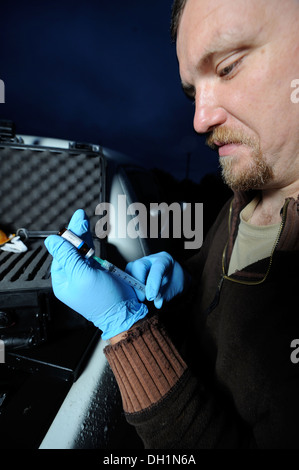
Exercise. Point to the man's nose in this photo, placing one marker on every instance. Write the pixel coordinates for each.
(208, 115)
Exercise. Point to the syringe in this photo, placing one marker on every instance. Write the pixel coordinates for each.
(119, 274)
(88, 253)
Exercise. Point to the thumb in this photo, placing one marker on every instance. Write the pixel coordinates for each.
(79, 224)
(158, 276)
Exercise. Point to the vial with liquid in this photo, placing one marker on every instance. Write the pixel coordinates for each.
(81, 246)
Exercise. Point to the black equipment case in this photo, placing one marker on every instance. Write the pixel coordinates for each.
(40, 189)
(48, 345)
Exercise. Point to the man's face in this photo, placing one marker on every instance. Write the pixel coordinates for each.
(237, 61)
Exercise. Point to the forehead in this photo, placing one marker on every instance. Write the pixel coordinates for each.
(207, 25)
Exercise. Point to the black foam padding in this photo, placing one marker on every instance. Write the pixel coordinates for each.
(41, 188)
(29, 270)
(19, 270)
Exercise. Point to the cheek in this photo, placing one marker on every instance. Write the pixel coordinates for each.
(264, 105)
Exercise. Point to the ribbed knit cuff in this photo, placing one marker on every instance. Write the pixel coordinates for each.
(146, 365)
(121, 317)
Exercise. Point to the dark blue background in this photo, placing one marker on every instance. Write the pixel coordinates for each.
(104, 72)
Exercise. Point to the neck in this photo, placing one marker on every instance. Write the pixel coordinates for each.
(268, 210)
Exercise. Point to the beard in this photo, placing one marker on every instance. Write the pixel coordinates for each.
(254, 175)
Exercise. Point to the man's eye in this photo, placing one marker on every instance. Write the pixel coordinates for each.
(227, 71)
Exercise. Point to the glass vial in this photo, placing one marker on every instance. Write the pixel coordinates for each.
(81, 246)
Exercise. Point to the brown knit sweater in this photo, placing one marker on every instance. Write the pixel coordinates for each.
(240, 388)
(146, 365)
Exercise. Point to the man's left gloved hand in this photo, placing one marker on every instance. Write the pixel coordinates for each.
(89, 290)
(164, 278)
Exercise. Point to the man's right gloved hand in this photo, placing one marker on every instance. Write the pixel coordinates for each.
(89, 290)
(164, 278)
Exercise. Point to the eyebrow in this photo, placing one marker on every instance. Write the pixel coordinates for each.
(221, 43)
(188, 89)
(207, 57)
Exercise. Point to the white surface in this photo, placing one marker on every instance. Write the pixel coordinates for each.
(68, 422)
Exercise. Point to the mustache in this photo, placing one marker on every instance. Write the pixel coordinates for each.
(225, 135)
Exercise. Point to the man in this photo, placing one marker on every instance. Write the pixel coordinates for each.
(225, 379)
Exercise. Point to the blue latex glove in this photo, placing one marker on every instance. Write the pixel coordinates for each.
(164, 278)
(89, 290)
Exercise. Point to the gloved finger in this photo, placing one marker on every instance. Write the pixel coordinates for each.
(55, 267)
(51, 241)
(139, 269)
(56, 270)
(64, 254)
(140, 295)
(158, 301)
(158, 276)
(79, 224)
